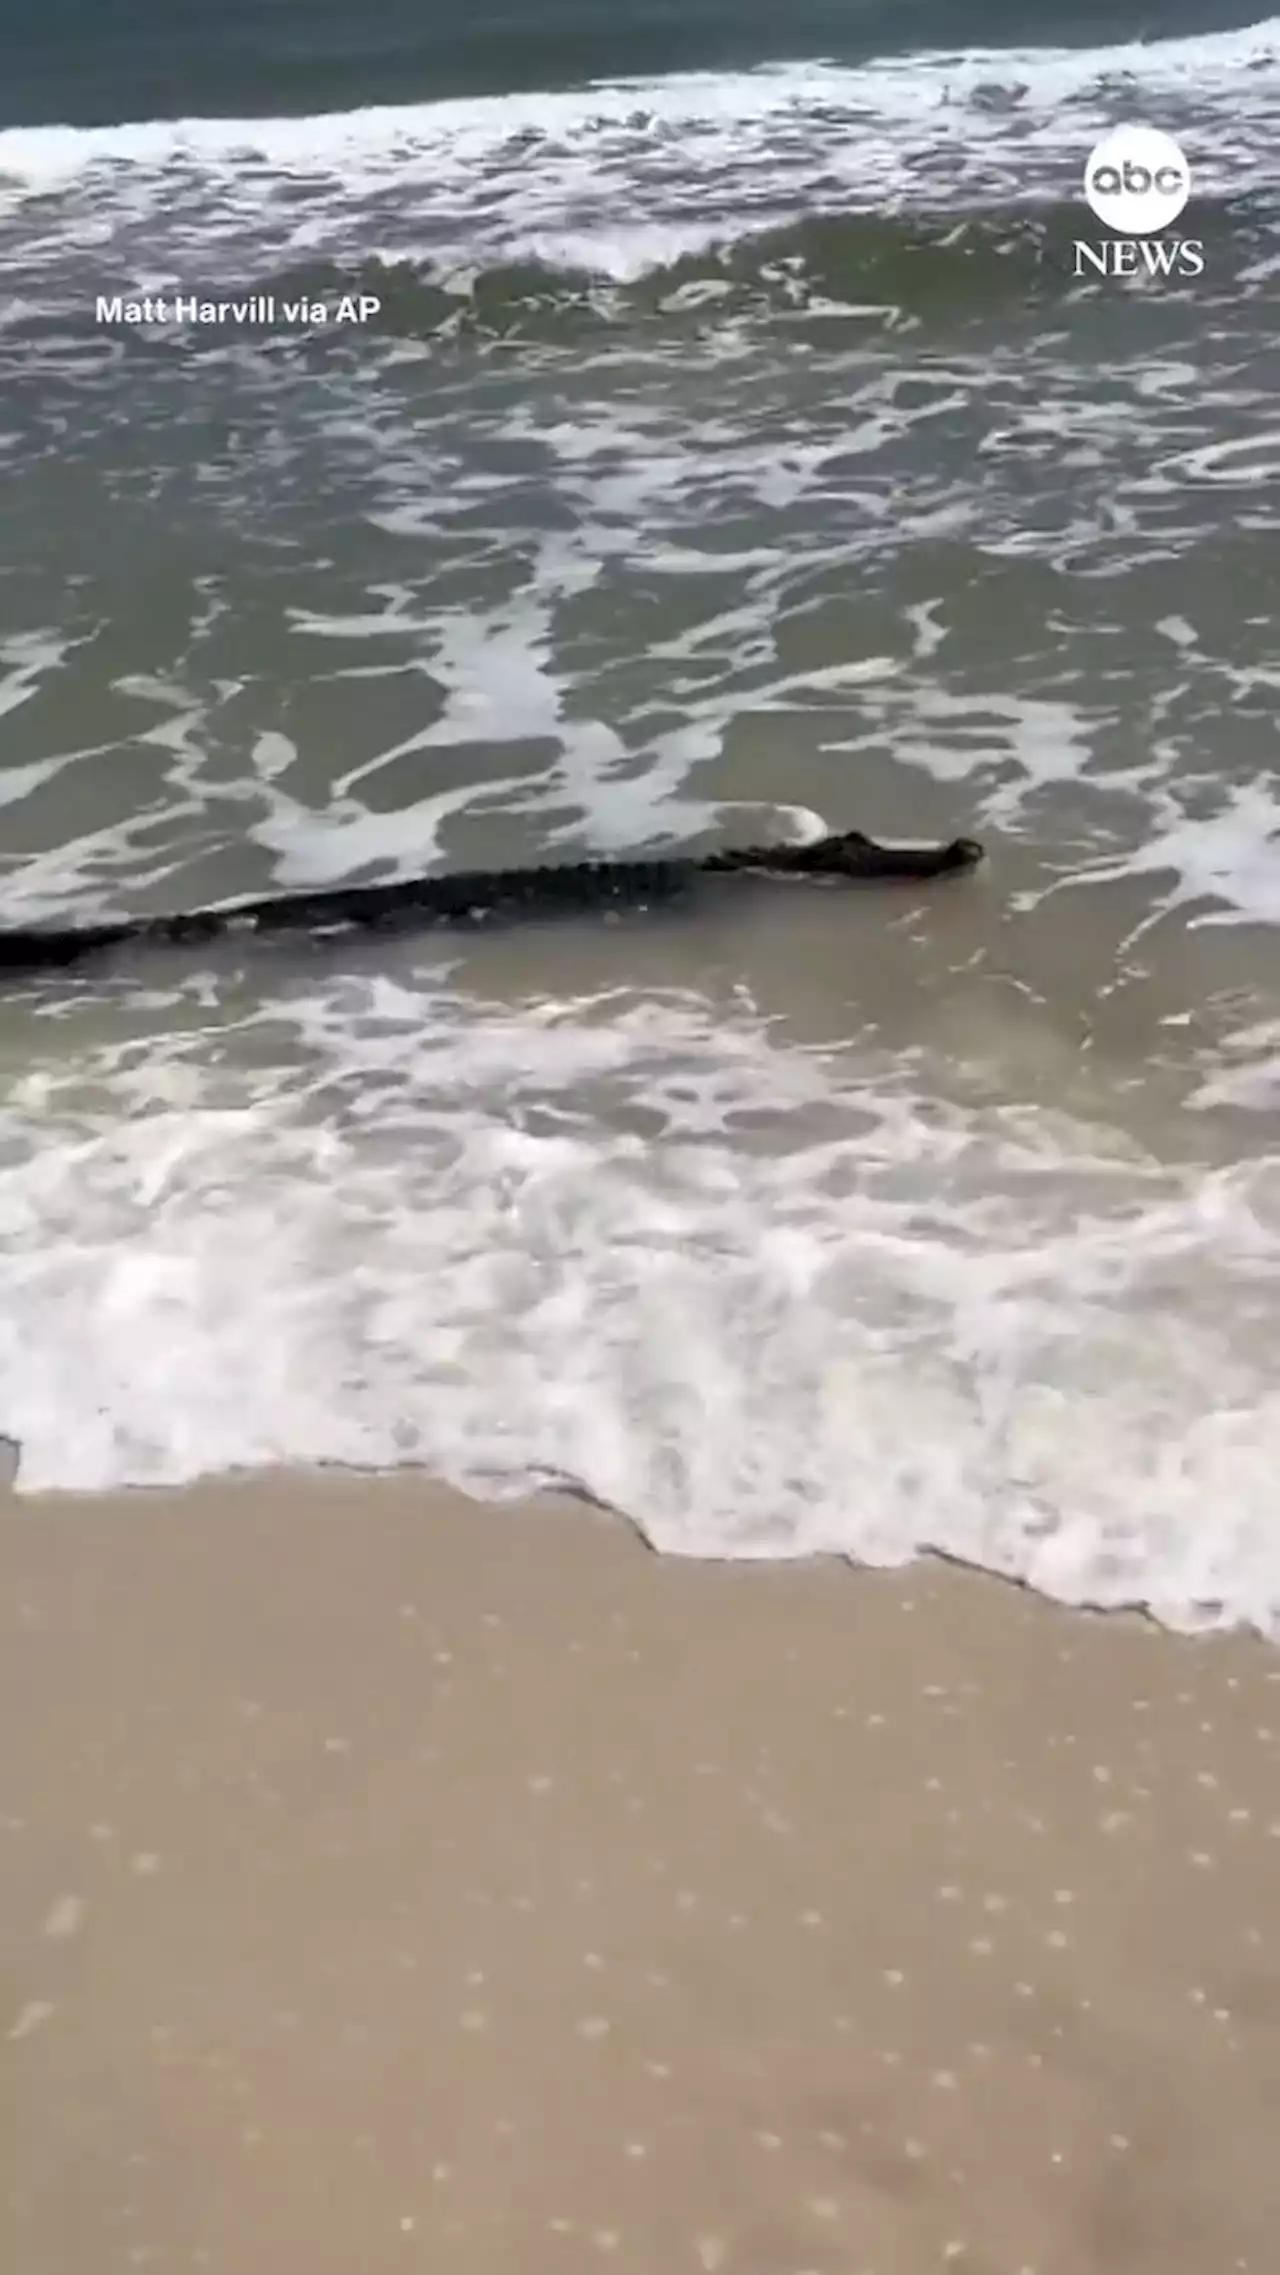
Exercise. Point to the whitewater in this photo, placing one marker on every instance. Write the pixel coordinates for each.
(863, 1233)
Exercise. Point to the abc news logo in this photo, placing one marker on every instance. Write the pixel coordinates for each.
(1137, 182)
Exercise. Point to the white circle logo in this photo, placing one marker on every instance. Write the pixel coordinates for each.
(1137, 180)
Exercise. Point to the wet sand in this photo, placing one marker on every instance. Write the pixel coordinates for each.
(391, 1884)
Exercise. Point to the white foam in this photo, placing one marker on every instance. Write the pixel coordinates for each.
(689, 159)
(1224, 865)
(903, 87)
(1245, 1072)
(818, 1311)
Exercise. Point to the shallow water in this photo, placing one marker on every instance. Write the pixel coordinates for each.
(844, 1222)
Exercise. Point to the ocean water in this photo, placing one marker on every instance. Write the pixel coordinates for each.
(731, 443)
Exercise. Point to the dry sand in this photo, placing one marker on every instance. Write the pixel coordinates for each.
(390, 1884)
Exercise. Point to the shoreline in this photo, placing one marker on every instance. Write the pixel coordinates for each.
(392, 1881)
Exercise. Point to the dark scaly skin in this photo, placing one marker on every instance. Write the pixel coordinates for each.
(487, 895)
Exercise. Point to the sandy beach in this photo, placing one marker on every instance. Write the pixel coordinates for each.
(390, 1883)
